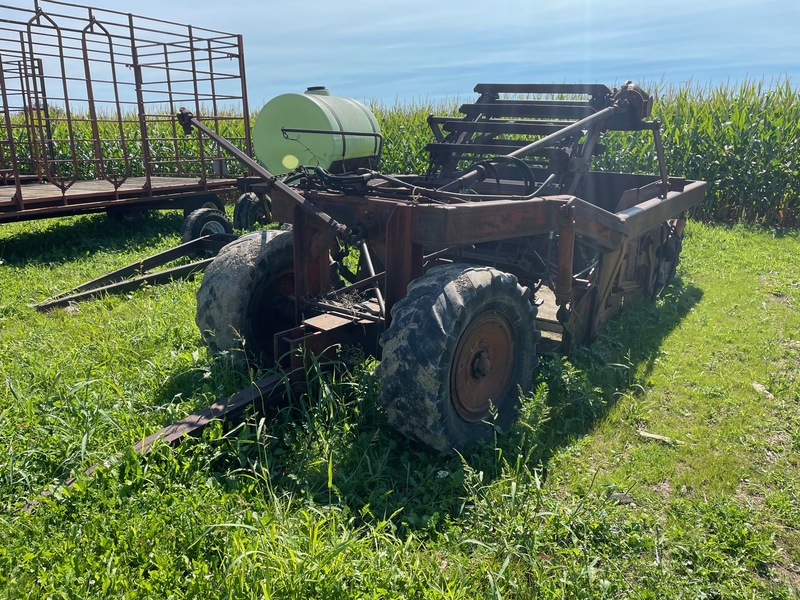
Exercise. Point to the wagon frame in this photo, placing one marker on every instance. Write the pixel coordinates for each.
(507, 246)
(87, 96)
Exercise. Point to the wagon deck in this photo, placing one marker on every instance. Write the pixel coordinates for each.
(87, 96)
(34, 200)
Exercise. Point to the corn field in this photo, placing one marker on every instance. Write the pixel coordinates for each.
(743, 140)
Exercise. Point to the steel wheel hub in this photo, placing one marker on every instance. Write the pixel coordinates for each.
(483, 366)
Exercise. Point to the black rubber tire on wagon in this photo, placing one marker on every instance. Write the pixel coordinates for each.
(247, 294)
(463, 339)
(203, 201)
(250, 210)
(204, 221)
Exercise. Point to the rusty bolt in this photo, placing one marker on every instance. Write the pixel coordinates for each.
(481, 365)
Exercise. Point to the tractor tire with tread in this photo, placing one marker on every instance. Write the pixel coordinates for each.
(461, 335)
(246, 294)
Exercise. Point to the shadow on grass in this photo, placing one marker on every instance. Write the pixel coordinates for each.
(64, 240)
(333, 444)
(581, 389)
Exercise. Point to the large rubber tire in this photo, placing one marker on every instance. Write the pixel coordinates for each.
(247, 294)
(204, 221)
(463, 339)
(204, 201)
(250, 210)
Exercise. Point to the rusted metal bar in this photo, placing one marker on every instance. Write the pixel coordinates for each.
(129, 285)
(185, 117)
(10, 134)
(555, 109)
(588, 89)
(566, 248)
(139, 85)
(662, 161)
(651, 213)
(403, 256)
(576, 127)
(201, 151)
(119, 281)
(264, 393)
(53, 176)
(365, 255)
(248, 143)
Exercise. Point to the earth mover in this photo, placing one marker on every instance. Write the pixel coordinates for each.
(509, 245)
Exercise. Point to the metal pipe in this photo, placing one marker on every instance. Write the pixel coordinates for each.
(662, 162)
(533, 146)
(287, 130)
(10, 133)
(184, 117)
(140, 104)
(248, 144)
(371, 270)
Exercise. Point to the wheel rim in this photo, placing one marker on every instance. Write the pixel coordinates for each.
(212, 227)
(483, 366)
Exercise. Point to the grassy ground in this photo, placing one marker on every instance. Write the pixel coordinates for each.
(323, 500)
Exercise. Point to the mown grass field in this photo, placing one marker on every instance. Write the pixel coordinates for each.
(324, 500)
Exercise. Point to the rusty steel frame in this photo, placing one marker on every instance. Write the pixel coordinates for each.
(88, 93)
(403, 231)
(139, 273)
(624, 221)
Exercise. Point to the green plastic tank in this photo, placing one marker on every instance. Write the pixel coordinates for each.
(281, 151)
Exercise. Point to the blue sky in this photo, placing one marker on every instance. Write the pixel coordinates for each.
(392, 50)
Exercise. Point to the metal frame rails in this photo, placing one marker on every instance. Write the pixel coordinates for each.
(592, 238)
(87, 96)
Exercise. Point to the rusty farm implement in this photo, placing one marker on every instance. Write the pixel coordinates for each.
(508, 245)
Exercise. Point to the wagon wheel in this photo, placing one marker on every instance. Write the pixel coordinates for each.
(461, 345)
(204, 201)
(204, 221)
(247, 294)
(120, 215)
(251, 210)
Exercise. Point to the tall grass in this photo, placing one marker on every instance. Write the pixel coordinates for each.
(323, 500)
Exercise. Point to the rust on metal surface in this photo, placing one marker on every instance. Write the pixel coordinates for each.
(482, 365)
(510, 185)
(87, 97)
(137, 274)
(263, 393)
(260, 395)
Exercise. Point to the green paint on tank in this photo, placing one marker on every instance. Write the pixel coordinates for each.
(315, 109)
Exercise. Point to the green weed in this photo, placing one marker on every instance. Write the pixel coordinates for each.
(322, 499)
